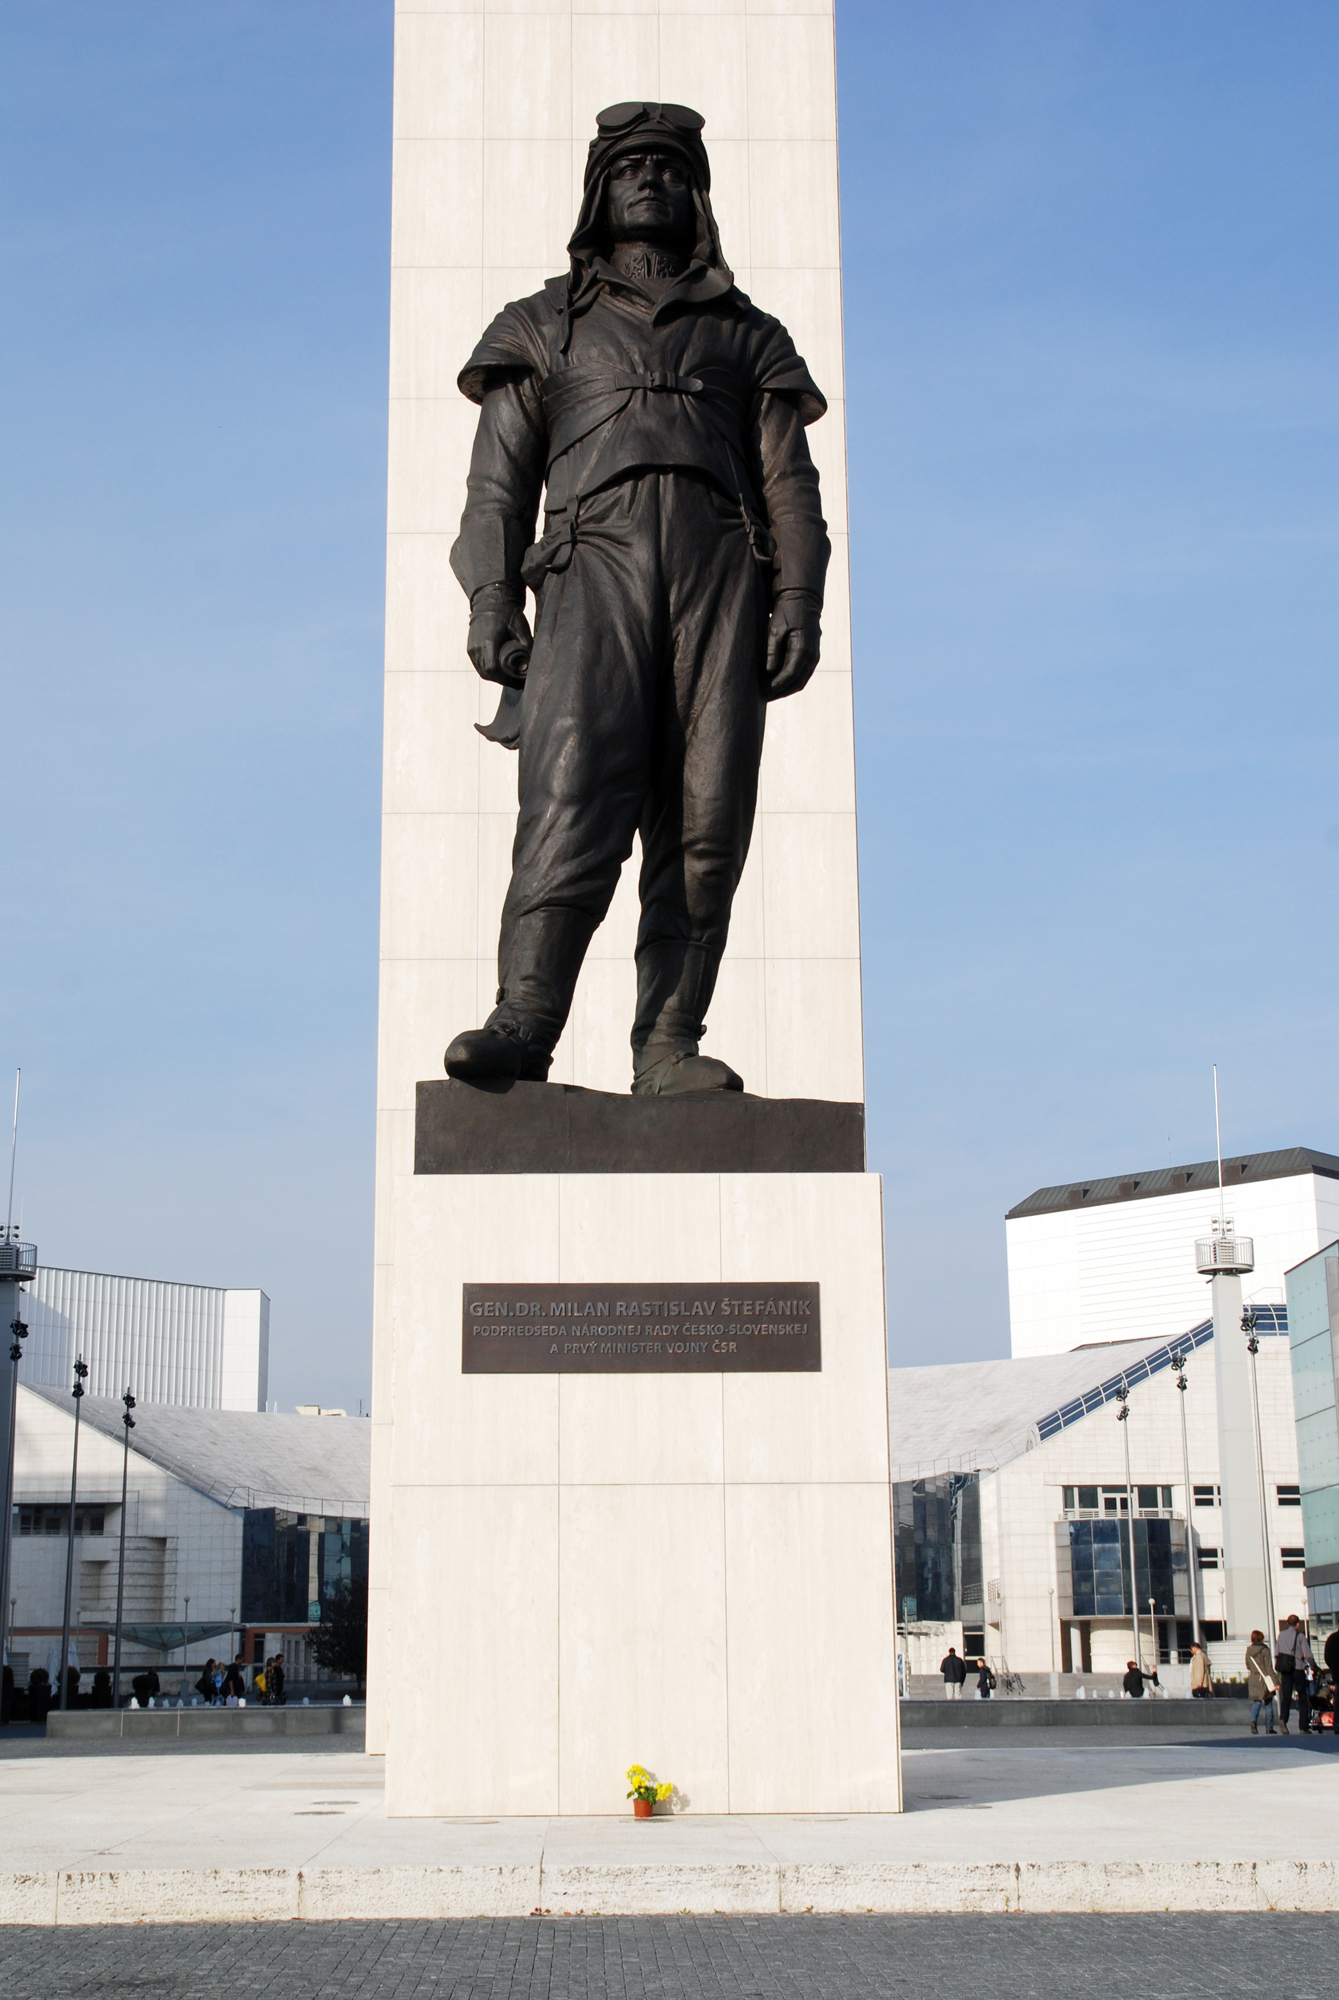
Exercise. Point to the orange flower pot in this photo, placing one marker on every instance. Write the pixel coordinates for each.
(642, 1808)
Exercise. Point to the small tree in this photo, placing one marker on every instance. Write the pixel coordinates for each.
(339, 1642)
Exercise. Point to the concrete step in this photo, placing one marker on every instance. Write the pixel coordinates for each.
(156, 1725)
(1022, 1712)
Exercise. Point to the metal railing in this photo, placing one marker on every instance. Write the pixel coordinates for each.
(1224, 1254)
(18, 1261)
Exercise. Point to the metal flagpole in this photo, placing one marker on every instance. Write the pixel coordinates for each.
(80, 1371)
(13, 1155)
(129, 1423)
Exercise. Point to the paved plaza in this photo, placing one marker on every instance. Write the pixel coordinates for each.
(688, 1958)
(1228, 1824)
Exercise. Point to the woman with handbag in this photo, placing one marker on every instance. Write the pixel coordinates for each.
(1263, 1684)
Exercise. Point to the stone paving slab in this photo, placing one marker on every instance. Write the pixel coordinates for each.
(1197, 1825)
(1153, 1957)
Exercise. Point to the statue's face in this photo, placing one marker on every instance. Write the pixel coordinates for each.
(650, 200)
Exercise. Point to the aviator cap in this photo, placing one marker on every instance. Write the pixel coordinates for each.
(660, 128)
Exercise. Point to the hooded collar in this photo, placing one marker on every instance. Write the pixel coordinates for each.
(708, 276)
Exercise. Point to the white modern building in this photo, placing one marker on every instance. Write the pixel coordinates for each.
(204, 1347)
(1012, 1511)
(1108, 1259)
(235, 1521)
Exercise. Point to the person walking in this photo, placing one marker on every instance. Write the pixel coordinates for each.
(275, 1679)
(1133, 1680)
(204, 1687)
(954, 1671)
(985, 1681)
(1308, 1684)
(1201, 1675)
(1262, 1684)
(1296, 1668)
(234, 1680)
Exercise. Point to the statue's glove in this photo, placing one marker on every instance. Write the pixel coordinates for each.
(792, 644)
(499, 639)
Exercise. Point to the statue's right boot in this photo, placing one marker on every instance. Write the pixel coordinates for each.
(538, 964)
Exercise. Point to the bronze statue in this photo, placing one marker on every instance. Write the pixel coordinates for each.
(678, 584)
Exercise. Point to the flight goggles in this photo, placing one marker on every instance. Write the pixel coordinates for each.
(671, 125)
(619, 117)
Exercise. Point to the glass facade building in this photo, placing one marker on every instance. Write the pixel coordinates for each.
(1313, 1334)
(937, 1540)
(293, 1564)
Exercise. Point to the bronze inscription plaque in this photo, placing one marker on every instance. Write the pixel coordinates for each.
(695, 1329)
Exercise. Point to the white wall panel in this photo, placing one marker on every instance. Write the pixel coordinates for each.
(198, 1345)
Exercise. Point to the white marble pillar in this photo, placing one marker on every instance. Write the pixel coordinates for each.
(494, 108)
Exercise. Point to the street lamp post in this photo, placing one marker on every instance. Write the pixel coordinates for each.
(1253, 1348)
(185, 1633)
(129, 1423)
(1153, 1632)
(1179, 1364)
(1055, 1682)
(19, 1333)
(1123, 1417)
(80, 1371)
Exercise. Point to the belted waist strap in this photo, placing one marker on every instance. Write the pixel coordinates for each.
(567, 388)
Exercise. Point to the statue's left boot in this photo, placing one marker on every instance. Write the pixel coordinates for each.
(675, 982)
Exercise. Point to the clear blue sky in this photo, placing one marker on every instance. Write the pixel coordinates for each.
(1090, 288)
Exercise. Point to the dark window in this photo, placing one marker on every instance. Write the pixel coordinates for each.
(1213, 1631)
(56, 1520)
(1148, 1497)
(1289, 1496)
(937, 1529)
(1088, 1498)
(342, 1557)
(1206, 1557)
(1206, 1496)
(277, 1553)
(1069, 1496)
(1167, 1498)
(1293, 1558)
(1099, 1553)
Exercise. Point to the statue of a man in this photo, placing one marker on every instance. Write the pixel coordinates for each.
(678, 581)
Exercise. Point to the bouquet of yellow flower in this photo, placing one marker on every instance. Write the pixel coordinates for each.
(645, 1787)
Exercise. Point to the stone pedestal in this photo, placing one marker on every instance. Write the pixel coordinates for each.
(691, 1572)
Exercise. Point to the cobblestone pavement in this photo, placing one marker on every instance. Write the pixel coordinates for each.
(686, 1958)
